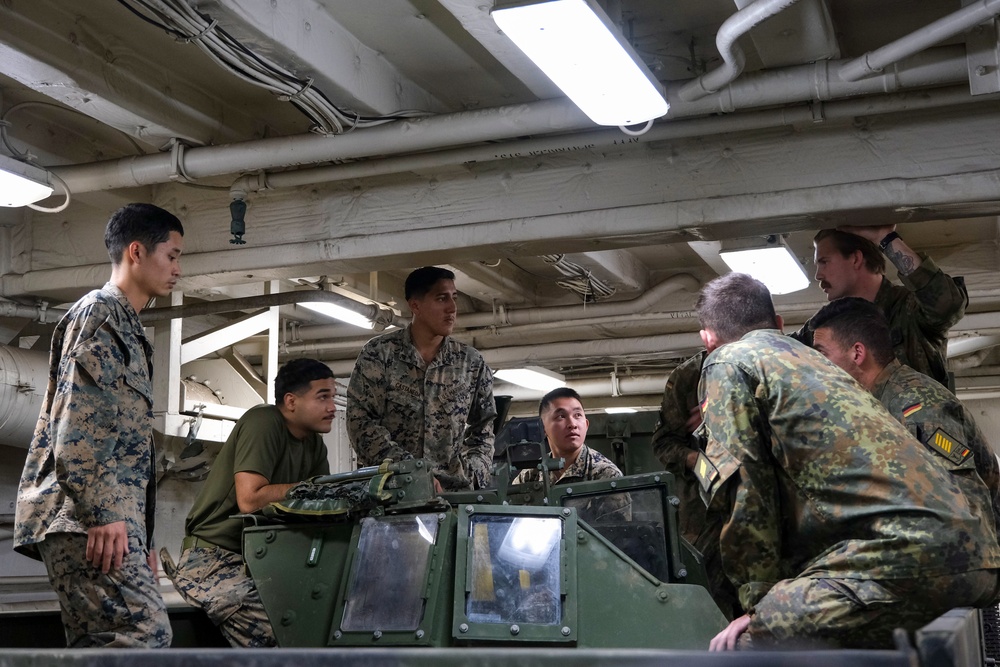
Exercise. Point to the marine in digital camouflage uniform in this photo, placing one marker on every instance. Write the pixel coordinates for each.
(271, 448)
(835, 513)
(920, 312)
(673, 444)
(419, 393)
(565, 424)
(854, 335)
(90, 471)
(589, 464)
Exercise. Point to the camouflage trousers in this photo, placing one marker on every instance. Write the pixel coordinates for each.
(861, 613)
(215, 580)
(120, 609)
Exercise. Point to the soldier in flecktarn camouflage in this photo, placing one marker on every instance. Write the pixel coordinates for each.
(677, 448)
(839, 526)
(419, 393)
(854, 335)
(849, 262)
(86, 499)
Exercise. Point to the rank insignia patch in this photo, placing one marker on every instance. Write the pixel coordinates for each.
(948, 447)
(705, 471)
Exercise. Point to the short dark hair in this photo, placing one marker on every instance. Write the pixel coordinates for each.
(148, 224)
(852, 319)
(420, 281)
(847, 244)
(558, 392)
(733, 305)
(296, 376)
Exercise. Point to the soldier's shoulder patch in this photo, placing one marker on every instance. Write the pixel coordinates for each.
(705, 471)
(907, 411)
(949, 447)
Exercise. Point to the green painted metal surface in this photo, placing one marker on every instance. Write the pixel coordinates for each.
(596, 564)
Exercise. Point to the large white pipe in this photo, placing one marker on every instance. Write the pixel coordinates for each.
(663, 346)
(640, 304)
(24, 377)
(807, 82)
(402, 136)
(942, 66)
(41, 313)
(727, 41)
(931, 34)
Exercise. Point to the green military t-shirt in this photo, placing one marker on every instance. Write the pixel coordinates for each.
(260, 443)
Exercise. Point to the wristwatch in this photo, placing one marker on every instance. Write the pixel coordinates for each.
(887, 239)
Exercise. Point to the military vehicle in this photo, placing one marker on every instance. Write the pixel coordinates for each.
(524, 564)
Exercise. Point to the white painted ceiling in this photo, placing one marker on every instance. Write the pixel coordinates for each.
(482, 166)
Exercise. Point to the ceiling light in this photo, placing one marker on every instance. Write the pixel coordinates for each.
(22, 183)
(577, 46)
(339, 313)
(767, 259)
(619, 411)
(532, 377)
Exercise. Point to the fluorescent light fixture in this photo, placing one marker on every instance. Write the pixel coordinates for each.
(577, 46)
(768, 260)
(339, 313)
(22, 183)
(619, 411)
(532, 377)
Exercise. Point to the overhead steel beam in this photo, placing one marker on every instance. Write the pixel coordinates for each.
(49, 48)
(304, 36)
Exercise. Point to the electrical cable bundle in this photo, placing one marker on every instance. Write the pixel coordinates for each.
(187, 24)
(579, 279)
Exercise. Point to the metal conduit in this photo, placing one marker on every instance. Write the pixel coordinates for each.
(41, 313)
(258, 258)
(403, 136)
(382, 316)
(666, 345)
(732, 54)
(698, 127)
(946, 65)
(640, 304)
(942, 66)
(940, 30)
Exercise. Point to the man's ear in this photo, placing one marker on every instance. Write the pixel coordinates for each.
(858, 260)
(780, 321)
(709, 338)
(135, 252)
(859, 354)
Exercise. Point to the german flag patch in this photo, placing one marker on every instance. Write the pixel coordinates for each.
(913, 408)
(705, 471)
(948, 447)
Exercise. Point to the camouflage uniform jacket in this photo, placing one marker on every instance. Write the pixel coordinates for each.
(938, 419)
(816, 479)
(90, 462)
(398, 407)
(919, 313)
(590, 464)
(672, 443)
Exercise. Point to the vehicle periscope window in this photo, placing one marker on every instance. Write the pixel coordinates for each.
(514, 566)
(390, 572)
